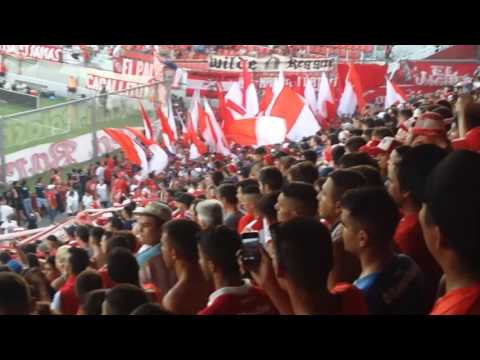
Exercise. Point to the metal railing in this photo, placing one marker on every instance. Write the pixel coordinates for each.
(74, 118)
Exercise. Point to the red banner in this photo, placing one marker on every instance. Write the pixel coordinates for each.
(37, 52)
(434, 73)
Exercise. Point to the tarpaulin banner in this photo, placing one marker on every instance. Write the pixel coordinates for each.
(37, 52)
(272, 63)
(434, 73)
(38, 159)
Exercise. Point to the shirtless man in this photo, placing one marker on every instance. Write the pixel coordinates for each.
(180, 253)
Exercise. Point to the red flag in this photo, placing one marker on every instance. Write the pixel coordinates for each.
(164, 124)
(193, 137)
(126, 144)
(266, 99)
(147, 124)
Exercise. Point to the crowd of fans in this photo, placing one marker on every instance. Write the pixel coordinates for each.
(378, 215)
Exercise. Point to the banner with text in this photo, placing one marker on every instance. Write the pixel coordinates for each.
(434, 73)
(272, 63)
(37, 52)
(38, 159)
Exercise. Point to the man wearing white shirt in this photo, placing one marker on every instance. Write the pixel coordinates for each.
(102, 193)
(100, 172)
(5, 210)
(73, 202)
(87, 201)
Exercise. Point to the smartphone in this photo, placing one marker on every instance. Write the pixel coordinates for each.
(250, 244)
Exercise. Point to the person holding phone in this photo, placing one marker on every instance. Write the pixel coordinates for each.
(218, 248)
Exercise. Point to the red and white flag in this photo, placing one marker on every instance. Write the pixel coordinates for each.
(159, 159)
(220, 145)
(278, 85)
(299, 118)
(352, 96)
(250, 97)
(197, 147)
(325, 102)
(258, 131)
(309, 95)
(132, 150)
(233, 101)
(167, 133)
(147, 124)
(394, 95)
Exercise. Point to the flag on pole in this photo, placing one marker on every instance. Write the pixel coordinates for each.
(394, 95)
(221, 145)
(250, 97)
(258, 131)
(352, 96)
(147, 124)
(325, 102)
(309, 94)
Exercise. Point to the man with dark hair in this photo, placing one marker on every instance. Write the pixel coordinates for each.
(249, 200)
(304, 171)
(87, 281)
(217, 177)
(227, 195)
(179, 249)
(82, 235)
(449, 220)
(354, 144)
(310, 155)
(354, 159)
(66, 300)
(93, 302)
(304, 259)
(285, 163)
(14, 265)
(232, 296)
(183, 201)
(244, 184)
(123, 299)
(372, 176)
(152, 267)
(346, 266)
(15, 298)
(122, 267)
(392, 283)
(337, 152)
(150, 309)
(270, 179)
(296, 199)
(407, 184)
(52, 244)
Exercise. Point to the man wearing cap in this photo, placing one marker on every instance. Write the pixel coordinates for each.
(183, 201)
(152, 266)
(381, 153)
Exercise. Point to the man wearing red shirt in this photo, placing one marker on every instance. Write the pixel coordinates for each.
(183, 201)
(406, 184)
(449, 220)
(249, 200)
(232, 296)
(66, 300)
(304, 259)
(470, 119)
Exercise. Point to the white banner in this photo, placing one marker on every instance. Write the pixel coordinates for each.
(38, 159)
(272, 63)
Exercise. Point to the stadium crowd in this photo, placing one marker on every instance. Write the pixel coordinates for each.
(378, 215)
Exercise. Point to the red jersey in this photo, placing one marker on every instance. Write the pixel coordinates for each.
(68, 297)
(409, 240)
(471, 141)
(463, 301)
(352, 300)
(106, 281)
(120, 186)
(239, 300)
(247, 219)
